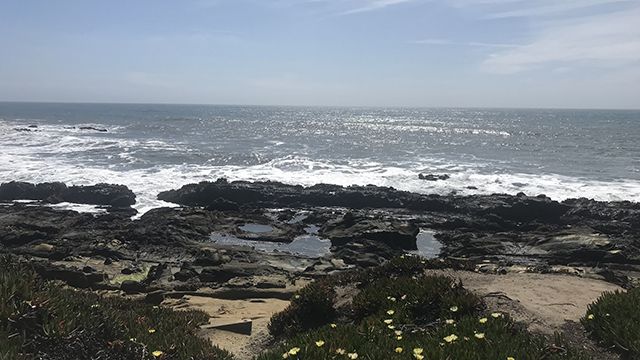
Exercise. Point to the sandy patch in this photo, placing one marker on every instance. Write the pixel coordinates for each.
(229, 311)
(545, 301)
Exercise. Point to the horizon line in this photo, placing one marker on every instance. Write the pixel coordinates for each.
(318, 106)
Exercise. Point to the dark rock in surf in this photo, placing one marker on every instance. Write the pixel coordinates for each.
(433, 177)
(100, 194)
(92, 128)
(55, 192)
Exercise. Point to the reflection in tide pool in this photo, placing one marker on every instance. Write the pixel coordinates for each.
(308, 245)
(256, 228)
(428, 246)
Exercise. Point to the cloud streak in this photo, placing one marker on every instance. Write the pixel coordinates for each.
(372, 5)
(606, 40)
(469, 43)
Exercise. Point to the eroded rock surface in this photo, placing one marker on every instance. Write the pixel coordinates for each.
(365, 224)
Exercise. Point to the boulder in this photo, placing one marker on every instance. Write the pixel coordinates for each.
(132, 287)
(393, 233)
(100, 194)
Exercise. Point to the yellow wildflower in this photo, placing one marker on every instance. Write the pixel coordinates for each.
(319, 343)
(333, 326)
(398, 332)
(483, 320)
(398, 350)
(285, 355)
(157, 353)
(390, 312)
(453, 308)
(294, 351)
(450, 321)
(391, 298)
(418, 356)
(403, 297)
(591, 317)
(388, 321)
(352, 355)
(341, 351)
(391, 327)
(496, 315)
(511, 358)
(451, 338)
(151, 331)
(418, 351)
(399, 338)
(479, 335)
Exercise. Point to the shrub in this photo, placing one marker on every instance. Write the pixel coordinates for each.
(415, 300)
(311, 307)
(46, 321)
(614, 320)
(467, 339)
(400, 314)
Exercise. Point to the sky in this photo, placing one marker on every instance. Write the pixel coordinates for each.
(431, 53)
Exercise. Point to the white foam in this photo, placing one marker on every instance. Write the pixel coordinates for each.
(22, 159)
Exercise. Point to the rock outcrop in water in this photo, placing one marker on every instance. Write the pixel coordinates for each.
(56, 192)
(519, 208)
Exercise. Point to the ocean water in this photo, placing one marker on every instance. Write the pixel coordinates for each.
(151, 148)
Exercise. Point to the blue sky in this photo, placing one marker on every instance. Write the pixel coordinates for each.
(490, 53)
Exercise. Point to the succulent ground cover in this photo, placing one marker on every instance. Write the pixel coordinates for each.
(43, 320)
(614, 321)
(400, 313)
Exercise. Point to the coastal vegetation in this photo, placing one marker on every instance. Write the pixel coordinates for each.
(614, 320)
(44, 320)
(403, 313)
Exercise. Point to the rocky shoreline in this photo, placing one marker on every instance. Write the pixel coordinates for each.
(170, 249)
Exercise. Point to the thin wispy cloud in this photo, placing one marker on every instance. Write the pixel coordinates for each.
(554, 8)
(469, 43)
(607, 40)
(372, 5)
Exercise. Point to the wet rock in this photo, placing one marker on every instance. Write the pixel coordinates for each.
(101, 194)
(16, 190)
(208, 258)
(157, 272)
(154, 297)
(274, 194)
(92, 128)
(226, 272)
(132, 287)
(70, 275)
(222, 204)
(393, 233)
(43, 247)
(433, 177)
(130, 270)
(271, 284)
(186, 273)
(364, 253)
(16, 237)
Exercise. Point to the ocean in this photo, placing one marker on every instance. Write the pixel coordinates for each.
(151, 148)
